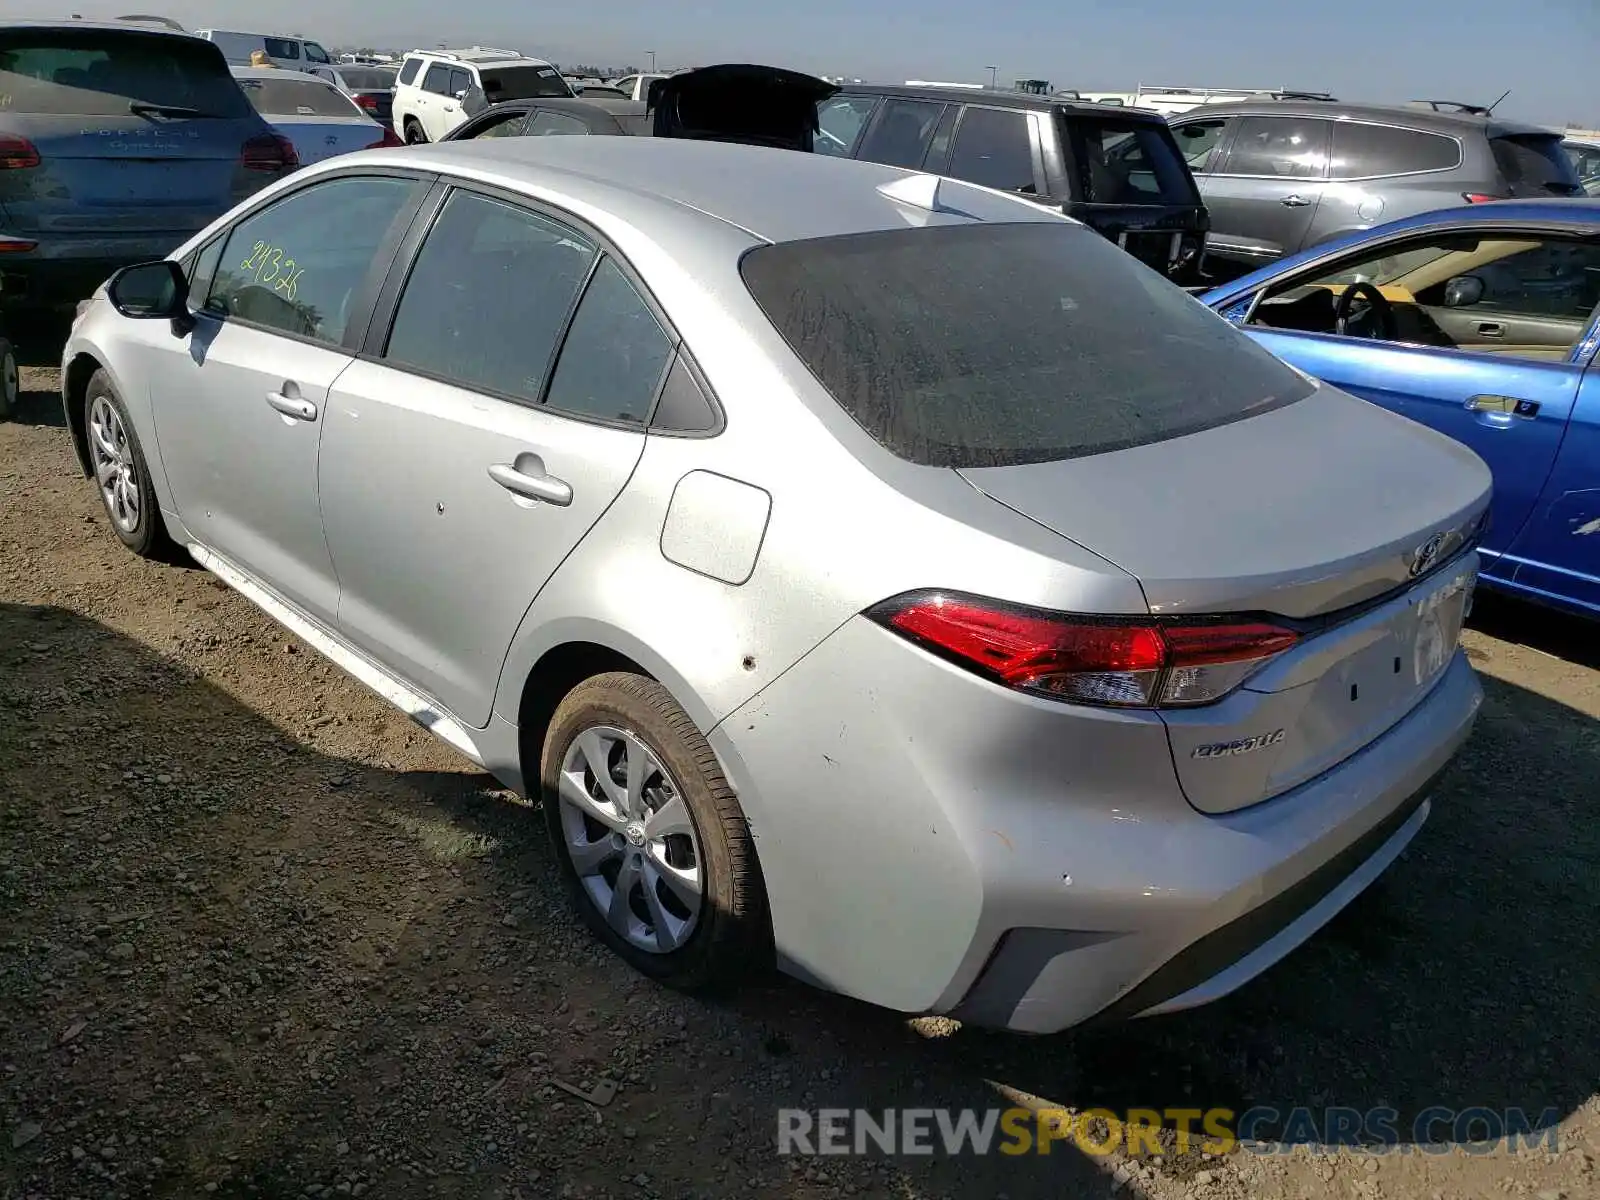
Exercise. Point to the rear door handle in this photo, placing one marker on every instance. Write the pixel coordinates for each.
(1491, 329)
(1295, 202)
(1504, 406)
(530, 486)
(293, 406)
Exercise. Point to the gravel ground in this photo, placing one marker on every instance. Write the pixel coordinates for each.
(260, 936)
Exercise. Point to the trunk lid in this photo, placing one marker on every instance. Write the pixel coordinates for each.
(739, 102)
(317, 138)
(1349, 524)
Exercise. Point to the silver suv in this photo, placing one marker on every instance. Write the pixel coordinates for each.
(1280, 175)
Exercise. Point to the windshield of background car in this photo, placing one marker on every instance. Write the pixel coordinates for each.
(367, 79)
(1127, 162)
(522, 83)
(993, 345)
(297, 98)
(1535, 165)
(101, 72)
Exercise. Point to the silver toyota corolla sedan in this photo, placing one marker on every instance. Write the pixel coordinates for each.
(873, 573)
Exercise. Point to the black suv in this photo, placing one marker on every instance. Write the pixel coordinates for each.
(1117, 170)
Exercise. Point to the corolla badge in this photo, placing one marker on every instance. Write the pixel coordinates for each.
(1427, 554)
(1242, 746)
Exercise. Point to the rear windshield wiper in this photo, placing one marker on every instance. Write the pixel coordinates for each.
(144, 108)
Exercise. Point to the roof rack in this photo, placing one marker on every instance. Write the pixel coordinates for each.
(1475, 110)
(473, 54)
(148, 19)
(1326, 96)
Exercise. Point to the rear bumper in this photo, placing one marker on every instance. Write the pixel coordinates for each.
(932, 843)
(62, 271)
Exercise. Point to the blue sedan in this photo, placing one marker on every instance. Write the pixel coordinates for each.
(1482, 322)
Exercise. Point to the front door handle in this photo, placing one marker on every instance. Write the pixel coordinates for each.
(1504, 406)
(531, 482)
(293, 406)
(1294, 202)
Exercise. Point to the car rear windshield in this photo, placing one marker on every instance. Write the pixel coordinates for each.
(367, 79)
(1127, 162)
(297, 98)
(103, 73)
(522, 83)
(995, 345)
(1535, 165)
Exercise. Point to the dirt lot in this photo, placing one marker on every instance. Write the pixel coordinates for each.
(260, 936)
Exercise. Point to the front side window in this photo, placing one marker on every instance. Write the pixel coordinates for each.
(901, 134)
(994, 147)
(298, 266)
(488, 297)
(545, 124)
(1365, 151)
(1198, 142)
(1279, 147)
(998, 344)
(498, 125)
(1521, 295)
(614, 355)
(437, 80)
(840, 121)
(315, 53)
(112, 73)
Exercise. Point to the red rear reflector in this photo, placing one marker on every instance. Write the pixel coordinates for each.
(1139, 663)
(269, 152)
(11, 245)
(1480, 197)
(17, 153)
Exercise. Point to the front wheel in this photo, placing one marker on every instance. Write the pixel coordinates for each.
(10, 380)
(653, 845)
(121, 472)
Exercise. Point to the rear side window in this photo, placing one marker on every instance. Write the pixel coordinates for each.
(900, 135)
(102, 73)
(488, 296)
(1279, 147)
(992, 345)
(1363, 151)
(1535, 165)
(297, 98)
(522, 83)
(614, 355)
(994, 147)
(409, 70)
(1128, 162)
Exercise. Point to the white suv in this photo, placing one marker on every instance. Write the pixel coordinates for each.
(439, 89)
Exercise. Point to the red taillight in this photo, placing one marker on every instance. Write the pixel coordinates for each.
(1480, 197)
(1149, 663)
(388, 139)
(367, 101)
(269, 152)
(17, 153)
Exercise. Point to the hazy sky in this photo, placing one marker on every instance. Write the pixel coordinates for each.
(1546, 51)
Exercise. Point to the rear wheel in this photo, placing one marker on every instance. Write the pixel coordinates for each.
(653, 844)
(413, 132)
(121, 473)
(10, 380)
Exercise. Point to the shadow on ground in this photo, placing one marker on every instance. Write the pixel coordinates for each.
(231, 959)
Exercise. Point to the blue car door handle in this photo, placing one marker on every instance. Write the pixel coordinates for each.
(1502, 410)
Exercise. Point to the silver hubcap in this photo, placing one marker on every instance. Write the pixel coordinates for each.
(627, 830)
(113, 464)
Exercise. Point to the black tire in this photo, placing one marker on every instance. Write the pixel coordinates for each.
(414, 135)
(148, 537)
(10, 380)
(732, 940)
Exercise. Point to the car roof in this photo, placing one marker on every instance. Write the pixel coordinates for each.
(103, 26)
(1001, 98)
(1406, 115)
(772, 195)
(276, 73)
(615, 106)
(1578, 213)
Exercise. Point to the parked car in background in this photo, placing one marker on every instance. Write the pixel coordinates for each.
(117, 142)
(1281, 175)
(319, 119)
(1585, 156)
(371, 87)
(1169, 101)
(438, 90)
(555, 116)
(1482, 322)
(285, 50)
(600, 91)
(637, 87)
(567, 358)
(1119, 171)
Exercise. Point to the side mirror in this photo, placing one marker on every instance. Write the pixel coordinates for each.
(462, 94)
(153, 291)
(1463, 291)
